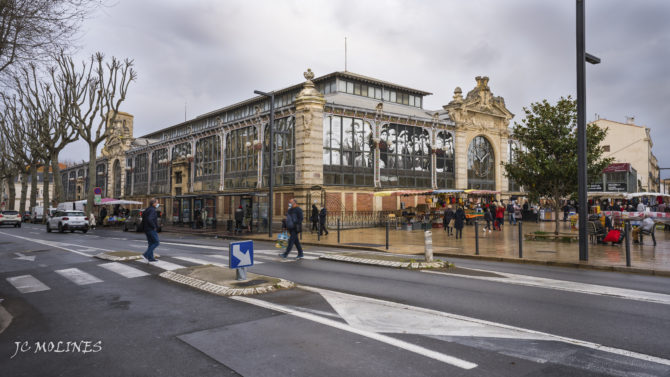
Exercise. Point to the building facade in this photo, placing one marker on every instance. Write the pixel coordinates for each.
(630, 143)
(338, 139)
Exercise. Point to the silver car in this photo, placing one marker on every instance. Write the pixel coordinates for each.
(10, 218)
(68, 220)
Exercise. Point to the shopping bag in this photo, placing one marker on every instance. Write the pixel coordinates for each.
(282, 240)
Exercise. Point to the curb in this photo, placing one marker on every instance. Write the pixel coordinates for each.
(630, 270)
(114, 258)
(384, 263)
(223, 290)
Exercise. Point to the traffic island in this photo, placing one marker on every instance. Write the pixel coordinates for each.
(121, 255)
(385, 261)
(222, 281)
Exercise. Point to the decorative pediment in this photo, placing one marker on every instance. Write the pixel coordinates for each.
(479, 109)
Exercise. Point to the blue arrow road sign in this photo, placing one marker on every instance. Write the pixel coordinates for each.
(241, 254)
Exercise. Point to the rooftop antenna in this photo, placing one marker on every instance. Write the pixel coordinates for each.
(345, 54)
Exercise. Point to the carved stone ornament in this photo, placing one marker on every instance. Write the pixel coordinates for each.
(309, 75)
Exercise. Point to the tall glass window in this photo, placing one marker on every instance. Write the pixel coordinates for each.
(347, 152)
(181, 150)
(64, 182)
(208, 159)
(512, 148)
(405, 156)
(72, 185)
(444, 153)
(101, 178)
(241, 158)
(284, 152)
(117, 179)
(129, 175)
(481, 164)
(140, 175)
(160, 172)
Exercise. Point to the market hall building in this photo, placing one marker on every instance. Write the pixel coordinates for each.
(339, 138)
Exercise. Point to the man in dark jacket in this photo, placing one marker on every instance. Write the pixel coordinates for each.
(448, 216)
(294, 219)
(150, 225)
(239, 218)
(315, 218)
(322, 221)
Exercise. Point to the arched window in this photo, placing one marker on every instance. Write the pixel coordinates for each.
(159, 172)
(512, 148)
(481, 164)
(117, 179)
(405, 156)
(348, 157)
(444, 153)
(241, 158)
(284, 152)
(208, 158)
(101, 177)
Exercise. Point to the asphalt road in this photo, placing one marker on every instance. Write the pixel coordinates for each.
(122, 319)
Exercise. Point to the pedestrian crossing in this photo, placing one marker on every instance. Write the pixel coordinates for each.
(26, 284)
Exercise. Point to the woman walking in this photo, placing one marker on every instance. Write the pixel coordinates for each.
(448, 216)
(459, 222)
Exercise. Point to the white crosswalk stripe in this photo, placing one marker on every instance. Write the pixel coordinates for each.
(123, 270)
(200, 261)
(273, 253)
(27, 284)
(225, 257)
(78, 276)
(162, 264)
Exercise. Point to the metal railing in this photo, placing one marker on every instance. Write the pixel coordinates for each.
(358, 219)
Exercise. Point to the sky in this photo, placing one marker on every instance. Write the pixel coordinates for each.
(196, 56)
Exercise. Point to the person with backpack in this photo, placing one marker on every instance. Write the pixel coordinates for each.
(459, 222)
(294, 218)
(510, 212)
(150, 225)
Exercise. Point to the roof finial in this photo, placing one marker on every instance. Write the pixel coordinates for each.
(309, 75)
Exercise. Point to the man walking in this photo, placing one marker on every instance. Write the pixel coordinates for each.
(150, 225)
(323, 217)
(294, 219)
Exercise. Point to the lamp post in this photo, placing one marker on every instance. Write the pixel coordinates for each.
(271, 180)
(582, 58)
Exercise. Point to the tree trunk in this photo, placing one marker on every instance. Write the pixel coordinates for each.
(11, 187)
(33, 186)
(556, 209)
(57, 183)
(24, 192)
(45, 188)
(91, 178)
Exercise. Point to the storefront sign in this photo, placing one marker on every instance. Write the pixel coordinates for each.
(617, 187)
(595, 187)
(617, 168)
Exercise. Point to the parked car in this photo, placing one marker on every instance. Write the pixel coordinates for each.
(10, 218)
(68, 220)
(134, 221)
(26, 216)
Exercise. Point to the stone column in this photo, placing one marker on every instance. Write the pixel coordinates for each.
(149, 159)
(460, 160)
(309, 106)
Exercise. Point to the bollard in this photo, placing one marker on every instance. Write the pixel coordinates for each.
(387, 234)
(520, 239)
(428, 245)
(476, 237)
(627, 235)
(241, 273)
(338, 230)
(318, 234)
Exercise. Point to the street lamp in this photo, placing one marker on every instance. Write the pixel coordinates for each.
(582, 58)
(271, 180)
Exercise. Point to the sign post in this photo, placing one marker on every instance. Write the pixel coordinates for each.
(241, 256)
(97, 195)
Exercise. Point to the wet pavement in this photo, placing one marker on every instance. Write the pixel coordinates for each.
(498, 244)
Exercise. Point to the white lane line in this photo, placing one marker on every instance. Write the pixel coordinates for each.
(78, 276)
(464, 364)
(273, 253)
(27, 284)
(200, 261)
(569, 286)
(162, 264)
(364, 312)
(33, 232)
(123, 270)
(59, 245)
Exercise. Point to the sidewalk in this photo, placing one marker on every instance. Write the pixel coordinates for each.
(497, 245)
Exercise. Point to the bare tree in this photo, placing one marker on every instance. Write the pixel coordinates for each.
(33, 30)
(96, 90)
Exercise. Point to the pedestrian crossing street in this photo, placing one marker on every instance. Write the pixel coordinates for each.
(136, 269)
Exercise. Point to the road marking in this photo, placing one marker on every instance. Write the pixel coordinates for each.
(25, 257)
(390, 317)
(225, 257)
(78, 276)
(27, 284)
(200, 261)
(273, 253)
(162, 264)
(123, 270)
(33, 232)
(59, 245)
(569, 286)
(464, 364)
